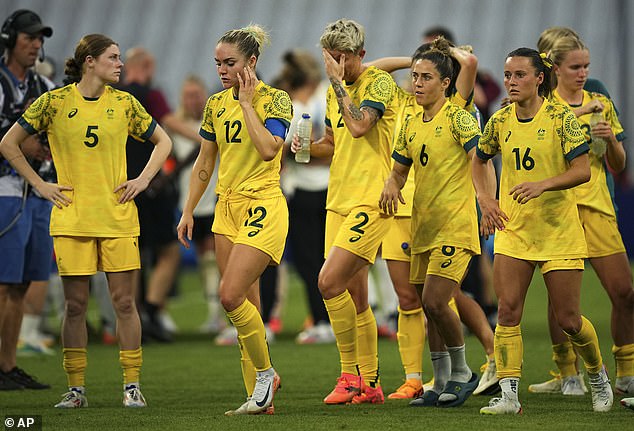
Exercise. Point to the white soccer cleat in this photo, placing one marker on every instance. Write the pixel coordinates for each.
(489, 381)
(552, 386)
(72, 400)
(602, 396)
(133, 397)
(227, 337)
(242, 410)
(628, 403)
(624, 385)
(502, 406)
(573, 385)
(321, 333)
(266, 384)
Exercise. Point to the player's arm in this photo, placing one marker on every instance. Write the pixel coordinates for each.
(391, 64)
(266, 144)
(577, 173)
(391, 194)
(358, 120)
(10, 149)
(492, 216)
(199, 181)
(465, 82)
(321, 148)
(162, 148)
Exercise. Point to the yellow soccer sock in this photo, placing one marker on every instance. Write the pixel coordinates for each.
(131, 361)
(75, 362)
(509, 351)
(586, 344)
(368, 353)
(566, 359)
(411, 339)
(624, 356)
(343, 319)
(248, 370)
(251, 332)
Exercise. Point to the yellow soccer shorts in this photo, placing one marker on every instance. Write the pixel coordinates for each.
(400, 233)
(77, 255)
(602, 233)
(258, 223)
(360, 232)
(560, 265)
(447, 261)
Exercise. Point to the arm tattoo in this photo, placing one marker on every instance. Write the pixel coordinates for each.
(372, 113)
(340, 92)
(203, 175)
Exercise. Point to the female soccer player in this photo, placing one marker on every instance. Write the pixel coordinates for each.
(94, 222)
(606, 251)
(245, 124)
(544, 155)
(598, 217)
(439, 141)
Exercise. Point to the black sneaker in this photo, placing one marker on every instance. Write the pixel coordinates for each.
(7, 383)
(27, 382)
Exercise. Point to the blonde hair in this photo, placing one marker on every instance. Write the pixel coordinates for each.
(560, 50)
(250, 40)
(343, 35)
(551, 35)
(190, 79)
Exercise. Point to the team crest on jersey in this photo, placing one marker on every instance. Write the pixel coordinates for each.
(541, 133)
(438, 131)
(110, 113)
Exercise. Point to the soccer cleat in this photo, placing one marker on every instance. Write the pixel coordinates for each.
(628, 403)
(242, 410)
(321, 333)
(266, 385)
(33, 348)
(348, 385)
(602, 396)
(72, 400)
(624, 385)
(489, 383)
(552, 386)
(573, 385)
(227, 337)
(22, 378)
(132, 397)
(502, 406)
(369, 395)
(412, 388)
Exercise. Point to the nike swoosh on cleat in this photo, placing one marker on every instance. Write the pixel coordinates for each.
(261, 403)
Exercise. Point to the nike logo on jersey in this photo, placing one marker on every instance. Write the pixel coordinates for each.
(72, 113)
(266, 397)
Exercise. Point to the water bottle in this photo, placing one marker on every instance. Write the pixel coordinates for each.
(406, 249)
(597, 145)
(304, 130)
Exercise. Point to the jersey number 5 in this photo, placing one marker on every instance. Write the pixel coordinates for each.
(93, 139)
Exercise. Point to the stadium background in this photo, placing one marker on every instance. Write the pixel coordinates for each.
(182, 34)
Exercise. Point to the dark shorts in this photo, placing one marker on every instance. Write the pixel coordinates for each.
(26, 248)
(202, 227)
(157, 218)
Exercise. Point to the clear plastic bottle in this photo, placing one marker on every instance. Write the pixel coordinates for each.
(597, 145)
(406, 249)
(304, 130)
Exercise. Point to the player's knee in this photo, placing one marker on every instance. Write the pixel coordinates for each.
(569, 322)
(75, 308)
(509, 314)
(229, 298)
(123, 304)
(327, 284)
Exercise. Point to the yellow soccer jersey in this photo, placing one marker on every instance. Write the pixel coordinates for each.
(548, 227)
(88, 140)
(360, 166)
(598, 192)
(444, 210)
(241, 167)
(407, 107)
